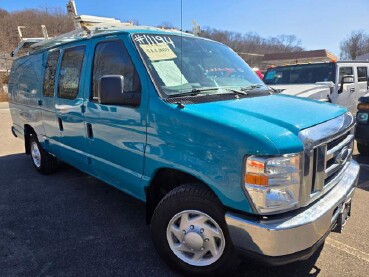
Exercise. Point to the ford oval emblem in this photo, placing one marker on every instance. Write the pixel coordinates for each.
(341, 158)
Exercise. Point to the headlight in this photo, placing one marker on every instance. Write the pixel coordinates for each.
(273, 184)
(362, 117)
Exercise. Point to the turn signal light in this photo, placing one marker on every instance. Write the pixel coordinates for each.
(256, 179)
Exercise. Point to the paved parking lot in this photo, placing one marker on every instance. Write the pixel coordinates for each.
(71, 224)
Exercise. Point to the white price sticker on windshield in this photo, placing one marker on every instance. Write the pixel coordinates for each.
(158, 52)
(169, 73)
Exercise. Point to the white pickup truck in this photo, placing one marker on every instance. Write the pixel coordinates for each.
(341, 82)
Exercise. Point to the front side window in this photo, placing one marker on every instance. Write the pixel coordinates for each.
(50, 73)
(112, 58)
(187, 65)
(345, 71)
(362, 74)
(70, 72)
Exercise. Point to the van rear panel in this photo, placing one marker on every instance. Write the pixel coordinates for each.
(25, 85)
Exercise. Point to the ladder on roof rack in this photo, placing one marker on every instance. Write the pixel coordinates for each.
(85, 26)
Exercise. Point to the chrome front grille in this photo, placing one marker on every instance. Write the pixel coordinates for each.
(330, 159)
(327, 151)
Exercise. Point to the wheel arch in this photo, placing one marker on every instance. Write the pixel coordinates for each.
(28, 131)
(165, 180)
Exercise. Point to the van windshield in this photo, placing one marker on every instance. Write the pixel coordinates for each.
(181, 65)
(300, 74)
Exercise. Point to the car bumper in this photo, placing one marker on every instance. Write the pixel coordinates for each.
(295, 235)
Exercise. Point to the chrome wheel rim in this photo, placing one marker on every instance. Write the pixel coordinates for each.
(195, 238)
(35, 153)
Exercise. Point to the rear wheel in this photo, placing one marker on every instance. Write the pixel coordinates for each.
(44, 162)
(190, 233)
(363, 149)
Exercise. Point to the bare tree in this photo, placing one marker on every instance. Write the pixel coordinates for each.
(252, 43)
(166, 25)
(56, 21)
(356, 44)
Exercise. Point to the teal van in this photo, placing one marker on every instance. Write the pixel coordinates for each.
(227, 168)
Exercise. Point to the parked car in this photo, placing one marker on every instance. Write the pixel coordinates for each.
(225, 166)
(258, 72)
(362, 127)
(339, 82)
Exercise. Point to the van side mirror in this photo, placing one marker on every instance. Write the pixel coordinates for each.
(346, 79)
(112, 92)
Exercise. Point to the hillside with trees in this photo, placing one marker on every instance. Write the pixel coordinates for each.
(248, 45)
(57, 22)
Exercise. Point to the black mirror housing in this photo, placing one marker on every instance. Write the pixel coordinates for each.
(111, 92)
(346, 79)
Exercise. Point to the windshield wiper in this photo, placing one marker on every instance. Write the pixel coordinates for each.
(196, 91)
(275, 90)
(251, 90)
(251, 87)
(192, 92)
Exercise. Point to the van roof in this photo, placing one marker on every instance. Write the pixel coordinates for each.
(97, 30)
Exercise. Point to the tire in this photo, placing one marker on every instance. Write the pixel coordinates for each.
(363, 149)
(44, 162)
(204, 235)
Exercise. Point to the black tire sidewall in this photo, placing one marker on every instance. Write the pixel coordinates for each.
(165, 212)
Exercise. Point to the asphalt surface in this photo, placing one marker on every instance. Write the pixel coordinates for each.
(71, 224)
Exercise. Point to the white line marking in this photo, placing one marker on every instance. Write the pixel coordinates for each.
(348, 249)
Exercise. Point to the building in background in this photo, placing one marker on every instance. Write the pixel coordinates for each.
(278, 59)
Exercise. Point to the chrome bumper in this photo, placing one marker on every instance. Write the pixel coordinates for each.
(295, 231)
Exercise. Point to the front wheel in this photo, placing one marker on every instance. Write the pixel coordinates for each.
(190, 233)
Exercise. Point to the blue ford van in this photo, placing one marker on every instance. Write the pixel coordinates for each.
(225, 166)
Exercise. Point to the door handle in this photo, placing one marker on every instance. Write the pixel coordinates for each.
(60, 122)
(39, 102)
(352, 89)
(90, 133)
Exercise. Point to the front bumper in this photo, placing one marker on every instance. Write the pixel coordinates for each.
(294, 235)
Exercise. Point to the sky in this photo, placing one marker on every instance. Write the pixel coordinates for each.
(319, 24)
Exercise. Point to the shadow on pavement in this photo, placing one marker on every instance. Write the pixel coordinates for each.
(301, 268)
(69, 223)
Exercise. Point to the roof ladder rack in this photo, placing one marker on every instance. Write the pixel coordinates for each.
(85, 26)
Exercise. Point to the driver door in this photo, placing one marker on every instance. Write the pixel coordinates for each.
(347, 97)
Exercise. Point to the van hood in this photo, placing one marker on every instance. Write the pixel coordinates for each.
(277, 118)
(314, 91)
